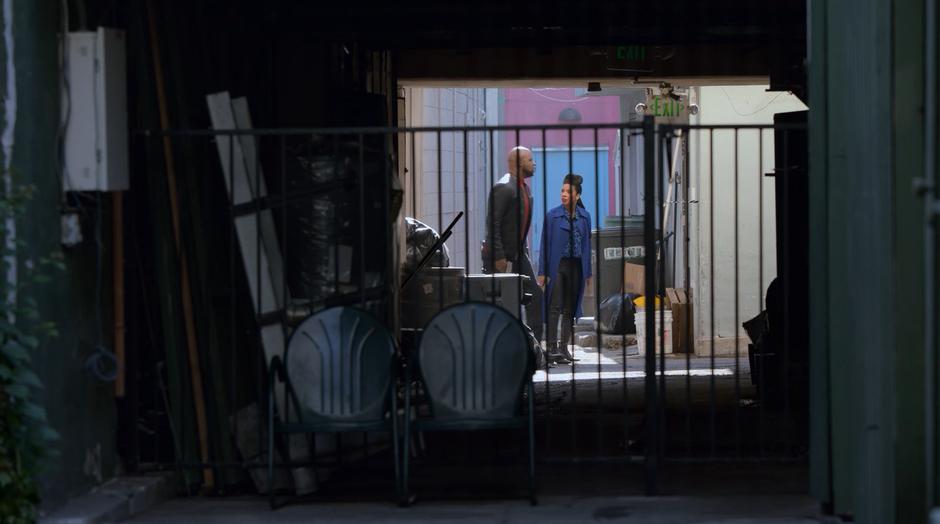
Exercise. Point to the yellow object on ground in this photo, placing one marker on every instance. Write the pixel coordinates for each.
(640, 302)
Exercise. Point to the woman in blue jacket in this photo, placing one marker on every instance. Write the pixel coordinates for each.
(565, 266)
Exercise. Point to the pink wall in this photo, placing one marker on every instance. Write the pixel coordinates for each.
(523, 106)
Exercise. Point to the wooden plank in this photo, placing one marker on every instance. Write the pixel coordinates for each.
(672, 296)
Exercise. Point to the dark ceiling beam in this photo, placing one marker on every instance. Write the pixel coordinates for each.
(522, 24)
(595, 63)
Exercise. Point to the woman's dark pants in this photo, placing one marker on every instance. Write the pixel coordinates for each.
(563, 303)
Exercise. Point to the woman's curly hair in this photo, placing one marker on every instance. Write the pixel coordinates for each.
(575, 182)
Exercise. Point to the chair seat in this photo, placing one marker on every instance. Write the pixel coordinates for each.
(338, 373)
(475, 364)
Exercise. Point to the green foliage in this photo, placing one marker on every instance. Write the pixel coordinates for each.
(26, 437)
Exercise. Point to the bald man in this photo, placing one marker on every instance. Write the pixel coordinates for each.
(509, 215)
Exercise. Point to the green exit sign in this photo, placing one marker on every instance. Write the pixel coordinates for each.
(664, 106)
(631, 53)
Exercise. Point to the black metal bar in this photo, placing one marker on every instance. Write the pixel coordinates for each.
(638, 459)
(649, 205)
(362, 223)
(432, 129)
(689, 341)
(599, 343)
(259, 303)
(184, 428)
(349, 299)
(787, 276)
(732, 459)
(285, 303)
(440, 218)
(623, 307)
(658, 334)
(606, 459)
(233, 238)
(566, 343)
(762, 385)
(336, 228)
(711, 286)
(545, 300)
(737, 294)
(491, 252)
(337, 460)
(603, 459)
(520, 194)
(151, 362)
(414, 178)
(727, 127)
(391, 301)
(666, 161)
(263, 203)
(466, 209)
(675, 180)
(337, 131)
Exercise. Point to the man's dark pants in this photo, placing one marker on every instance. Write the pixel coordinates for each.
(533, 310)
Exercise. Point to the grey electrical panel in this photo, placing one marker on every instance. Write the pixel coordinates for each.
(94, 106)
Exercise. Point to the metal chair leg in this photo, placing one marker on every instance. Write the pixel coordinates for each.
(532, 497)
(272, 502)
(396, 444)
(404, 496)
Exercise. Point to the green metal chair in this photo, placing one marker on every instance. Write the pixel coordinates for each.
(475, 361)
(339, 373)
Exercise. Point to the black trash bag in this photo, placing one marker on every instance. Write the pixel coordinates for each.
(419, 238)
(757, 328)
(536, 349)
(616, 314)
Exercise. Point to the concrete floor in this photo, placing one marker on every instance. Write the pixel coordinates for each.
(617, 363)
(590, 396)
(710, 408)
(659, 510)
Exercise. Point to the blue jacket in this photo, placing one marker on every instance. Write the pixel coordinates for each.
(555, 234)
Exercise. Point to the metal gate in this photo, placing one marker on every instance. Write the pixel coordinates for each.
(283, 223)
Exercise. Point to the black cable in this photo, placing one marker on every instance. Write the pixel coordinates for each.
(102, 363)
(99, 249)
(67, 110)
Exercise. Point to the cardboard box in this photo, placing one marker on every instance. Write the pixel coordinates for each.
(682, 320)
(634, 278)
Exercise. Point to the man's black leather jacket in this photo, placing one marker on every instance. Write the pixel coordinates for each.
(504, 220)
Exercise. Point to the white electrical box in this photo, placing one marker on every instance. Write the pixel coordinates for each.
(94, 107)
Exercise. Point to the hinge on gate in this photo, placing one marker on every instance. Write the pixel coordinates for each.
(921, 186)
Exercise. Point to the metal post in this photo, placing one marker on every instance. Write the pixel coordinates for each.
(649, 230)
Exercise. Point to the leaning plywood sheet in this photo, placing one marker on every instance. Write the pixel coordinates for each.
(257, 239)
(269, 242)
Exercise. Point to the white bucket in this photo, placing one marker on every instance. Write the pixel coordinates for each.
(640, 321)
